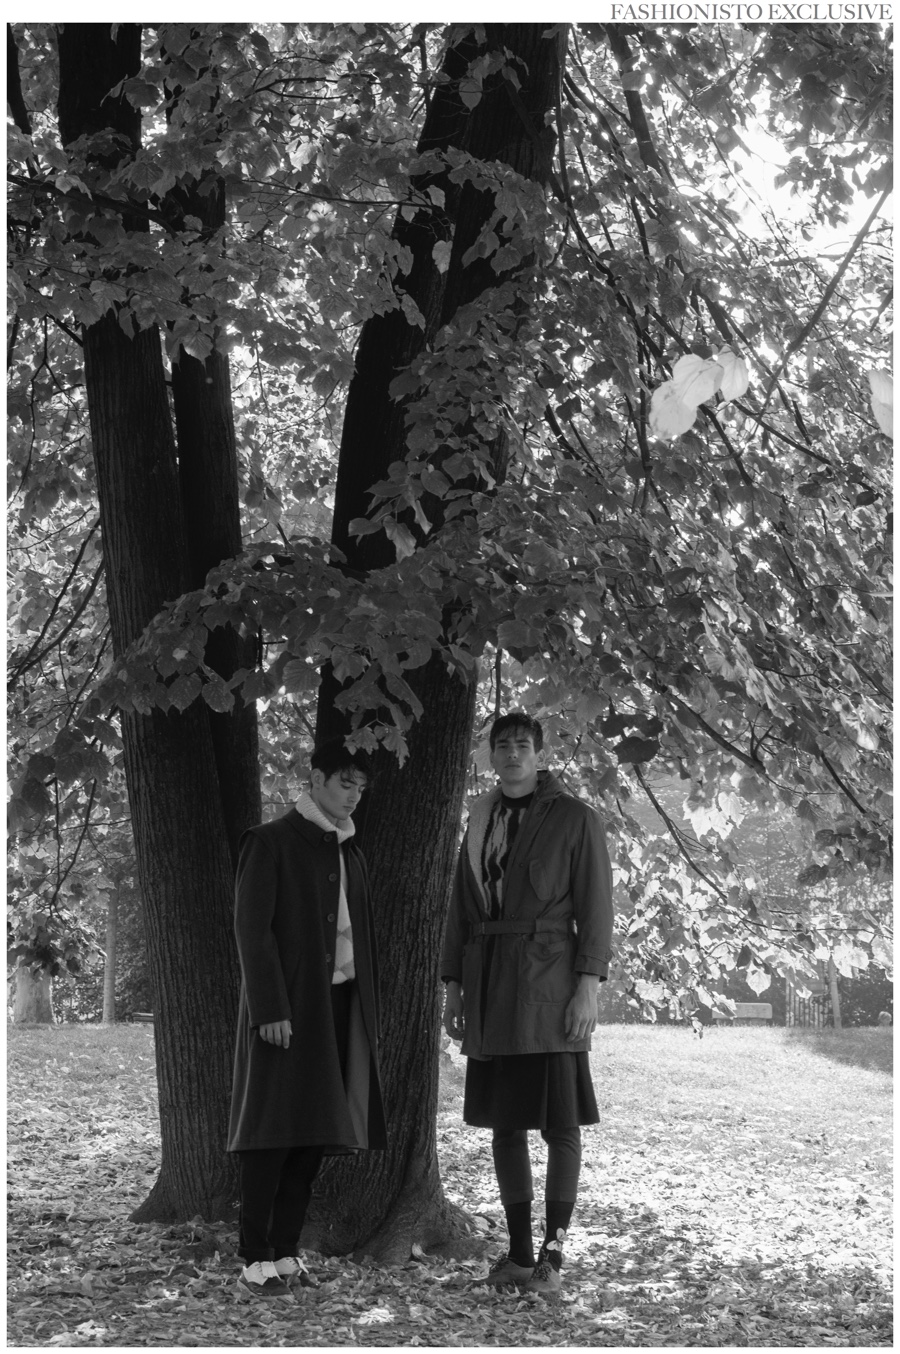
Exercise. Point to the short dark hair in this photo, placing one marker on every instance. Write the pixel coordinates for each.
(334, 756)
(517, 719)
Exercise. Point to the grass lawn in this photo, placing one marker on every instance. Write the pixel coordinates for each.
(735, 1193)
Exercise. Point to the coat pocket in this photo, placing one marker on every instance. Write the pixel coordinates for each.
(540, 880)
(547, 969)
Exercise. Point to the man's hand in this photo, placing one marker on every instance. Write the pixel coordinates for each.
(581, 1012)
(454, 1019)
(277, 1033)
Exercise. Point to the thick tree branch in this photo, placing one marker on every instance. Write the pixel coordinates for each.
(121, 207)
(618, 45)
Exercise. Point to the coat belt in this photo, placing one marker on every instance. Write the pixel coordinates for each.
(519, 926)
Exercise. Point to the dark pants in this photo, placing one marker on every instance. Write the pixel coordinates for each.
(276, 1186)
(512, 1163)
(276, 1182)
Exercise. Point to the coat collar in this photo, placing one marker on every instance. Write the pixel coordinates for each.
(312, 832)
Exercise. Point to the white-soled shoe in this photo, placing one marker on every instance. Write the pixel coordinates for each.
(263, 1280)
(292, 1269)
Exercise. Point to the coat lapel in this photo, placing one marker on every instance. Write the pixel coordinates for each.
(475, 835)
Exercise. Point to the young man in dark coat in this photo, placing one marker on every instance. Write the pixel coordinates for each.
(529, 937)
(306, 1080)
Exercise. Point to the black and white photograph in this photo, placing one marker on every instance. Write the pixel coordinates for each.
(449, 541)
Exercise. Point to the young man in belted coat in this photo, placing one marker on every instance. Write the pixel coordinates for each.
(528, 940)
(306, 1081)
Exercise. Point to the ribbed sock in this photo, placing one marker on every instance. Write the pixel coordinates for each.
(559, 1215)
(518, 1224)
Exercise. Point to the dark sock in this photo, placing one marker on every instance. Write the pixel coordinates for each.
(518, 1224)
(559, 1215)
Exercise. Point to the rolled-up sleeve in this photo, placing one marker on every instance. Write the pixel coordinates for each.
(592, 891)
(255, 894)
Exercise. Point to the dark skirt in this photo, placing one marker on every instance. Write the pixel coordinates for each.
(530, 1090)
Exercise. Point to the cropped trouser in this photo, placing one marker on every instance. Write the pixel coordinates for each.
(276, 1182)
(512, 1163)
(276, 1187)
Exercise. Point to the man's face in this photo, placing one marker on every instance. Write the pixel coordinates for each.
(339, 795)
(515, 760)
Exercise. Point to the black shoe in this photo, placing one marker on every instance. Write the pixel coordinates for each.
(505, 1273)
(545, 1279)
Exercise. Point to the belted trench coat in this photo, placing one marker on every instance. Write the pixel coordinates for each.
(286, 905)
(519, 974)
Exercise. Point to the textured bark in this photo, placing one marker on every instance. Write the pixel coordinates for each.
(184, 862)
(210, 496)
(33, 998)
(373, 432)
(503, 126)
(207, 462)
(188, 890)
(181, 840)
(384, 1202)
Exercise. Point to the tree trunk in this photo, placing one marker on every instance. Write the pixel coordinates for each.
(373, 433)
(184, 861)
(182, 844)
(383, 1202)
(210, 496)
(207, 464)
(834, 988)
(109, 962)
(33, 999)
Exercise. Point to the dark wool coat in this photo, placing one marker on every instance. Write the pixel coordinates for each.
(286, 905)
(557, 922)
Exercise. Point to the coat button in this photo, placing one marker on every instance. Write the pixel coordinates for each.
(329, 837)
(332, 877)
(330, 917)
(328, 959)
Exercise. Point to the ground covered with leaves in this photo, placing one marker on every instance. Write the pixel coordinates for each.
(736, 1192)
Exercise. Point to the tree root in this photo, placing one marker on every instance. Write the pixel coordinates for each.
(439, 1228)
